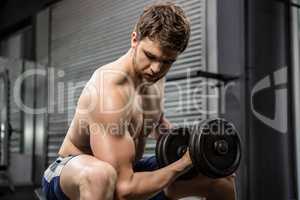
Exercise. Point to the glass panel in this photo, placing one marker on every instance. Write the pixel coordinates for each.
(296, 83)
(298, 24)
(295, 2)
(2, 101)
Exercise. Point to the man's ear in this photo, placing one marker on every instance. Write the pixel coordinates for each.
(134, 39)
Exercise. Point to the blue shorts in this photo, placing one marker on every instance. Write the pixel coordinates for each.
(53, 191)
(50, 181)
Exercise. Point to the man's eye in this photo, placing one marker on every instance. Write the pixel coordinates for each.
(150, 57)
(168, 62)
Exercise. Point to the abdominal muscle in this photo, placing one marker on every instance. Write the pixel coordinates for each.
(77, 139)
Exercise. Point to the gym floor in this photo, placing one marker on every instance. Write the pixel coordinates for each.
(28, 193)
(21, 193)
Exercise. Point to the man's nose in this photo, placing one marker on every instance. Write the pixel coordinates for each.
(155, 67)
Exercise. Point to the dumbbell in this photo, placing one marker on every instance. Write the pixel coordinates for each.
(214, 146)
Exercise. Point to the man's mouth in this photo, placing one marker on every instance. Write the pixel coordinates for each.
(149, 76)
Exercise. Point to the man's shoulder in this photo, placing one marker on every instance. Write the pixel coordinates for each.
(104, 90)
(110, 75)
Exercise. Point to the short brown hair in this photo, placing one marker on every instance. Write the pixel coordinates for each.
(165, 23)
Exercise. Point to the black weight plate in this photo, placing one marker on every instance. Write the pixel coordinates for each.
(193, 135)
(179, 138)
(222, 161)
(164, 162)
(212, 163)
(228, 163)
(159, 150)
(175, 145)
(198, 130)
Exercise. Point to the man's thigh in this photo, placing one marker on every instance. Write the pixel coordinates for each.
(202, 186)
(71, 174)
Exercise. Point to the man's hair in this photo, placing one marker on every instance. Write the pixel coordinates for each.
(165, 23)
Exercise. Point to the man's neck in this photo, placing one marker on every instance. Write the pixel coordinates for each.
(126, 62)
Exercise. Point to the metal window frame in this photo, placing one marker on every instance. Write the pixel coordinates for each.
(4, 160)
(295, 86)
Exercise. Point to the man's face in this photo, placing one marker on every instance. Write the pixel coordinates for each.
(149, 61)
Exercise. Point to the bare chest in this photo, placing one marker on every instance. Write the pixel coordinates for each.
(145, 116)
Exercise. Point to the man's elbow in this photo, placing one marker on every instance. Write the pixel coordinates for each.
(123, 191)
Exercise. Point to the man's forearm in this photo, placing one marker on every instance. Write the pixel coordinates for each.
(162, 126)
(146, 184)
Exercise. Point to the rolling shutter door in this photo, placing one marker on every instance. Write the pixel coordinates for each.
(86, 34)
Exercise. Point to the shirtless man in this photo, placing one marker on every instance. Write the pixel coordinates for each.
(120, 106)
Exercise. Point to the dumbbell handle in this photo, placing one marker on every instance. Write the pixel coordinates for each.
(181, 150)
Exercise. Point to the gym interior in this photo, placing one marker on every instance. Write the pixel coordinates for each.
(241, 64)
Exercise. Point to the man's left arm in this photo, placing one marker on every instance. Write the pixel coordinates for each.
(217, 189)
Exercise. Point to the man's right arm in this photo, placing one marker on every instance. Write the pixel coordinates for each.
(119, 152)
(111, 142)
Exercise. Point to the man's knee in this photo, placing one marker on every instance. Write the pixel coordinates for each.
(100, 175)
(109, 173)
